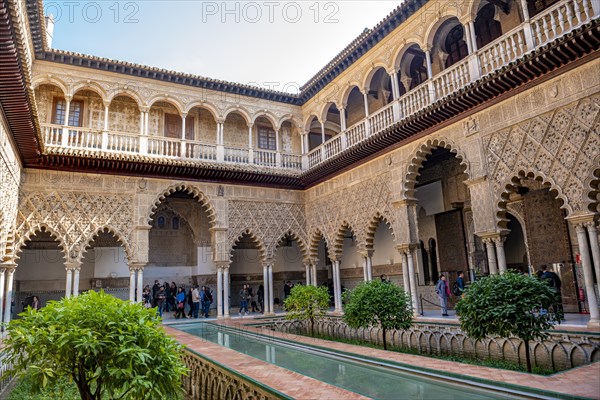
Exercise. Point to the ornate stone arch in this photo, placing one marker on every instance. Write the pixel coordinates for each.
(33, 230)
(339, 238)
(591, 184)
(293, 120)
(166, 99)
(239, 110)
(446, 13)
(509, 187)
(308, 121)
(203, 104)
(202, 198)
(374, 68)
(313, 244)
(301, 244)
(419, 158)
(401, 50)
(120, 238)
(127, 93)
(268, 116)
(372, 227)
(346, 93)
(45, 80)
(325, 109)
(260, 246)
(92, 86)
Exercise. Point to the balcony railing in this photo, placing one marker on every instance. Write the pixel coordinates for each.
(552, 23)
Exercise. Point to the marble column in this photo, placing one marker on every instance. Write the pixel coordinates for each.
(266, 306)
(140, 285)
(271, 294)
(588, 275)
(2, 281)
(405, 273)
(131, 284)
(307, 269)
(220, 292)
(412, 280)
(226, 291)
(76, 271)
(10, 273)
(595, 248)
(491, 256)
(314, 274)
(365, 275)
(499, 242)
(370, 266)
(69, 285)
(337, 287)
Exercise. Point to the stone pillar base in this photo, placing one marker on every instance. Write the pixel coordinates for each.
(593, 324)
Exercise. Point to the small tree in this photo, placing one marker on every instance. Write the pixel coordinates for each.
(378, 303)
(109, 348)
(508, 304)
(307, 303)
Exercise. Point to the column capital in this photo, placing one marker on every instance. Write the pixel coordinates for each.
(250, 125)
(405, 203)
(106, 103)
(223, 264)
(183, 115)
(220, 120)
(137, 266)
(72, 266)
(407, 248)
(8, 265)
(581, 219)
(144, 109)
(476, 180)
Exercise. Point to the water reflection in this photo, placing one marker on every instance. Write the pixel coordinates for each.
(375, 382)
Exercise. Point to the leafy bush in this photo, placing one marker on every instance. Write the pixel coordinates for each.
(508, 305)
(307, 303)
(378, 303)
(107, 346)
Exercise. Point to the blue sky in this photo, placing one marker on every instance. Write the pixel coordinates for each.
(277, 44)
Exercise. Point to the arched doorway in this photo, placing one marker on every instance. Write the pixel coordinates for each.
(40, 270)
(385, 258)
(246, 268)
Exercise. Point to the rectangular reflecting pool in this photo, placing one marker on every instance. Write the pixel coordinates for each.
(363, 376)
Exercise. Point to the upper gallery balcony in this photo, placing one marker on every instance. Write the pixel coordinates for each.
(457, 53)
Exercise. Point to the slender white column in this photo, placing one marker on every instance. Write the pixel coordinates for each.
(183, 117)
(105, 118)
(412, 282)
(314, 274)
(338, 307)
(405, 273)
(220, 299)
(68, 288)
(277, 145)
(76, 281)
(219, 138)
(322, 132)
(147, 122)
(9, 292)
(307, 269)
(266, 297)
(395, 86)
(499, 241)
(365, 275)
(271, 293)
(595, 247)
(491, 256)
(342, 118)
(131, 284)
(369, 268)
(428, 62)
(142, 123)
(588, 276)
(250, 136)
(471, 32)
(226, 290)
(67, 111)
(140, 285)
(2, 277)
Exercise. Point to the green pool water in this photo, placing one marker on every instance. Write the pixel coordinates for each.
(351, 374)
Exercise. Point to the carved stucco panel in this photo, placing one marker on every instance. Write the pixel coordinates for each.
(75, 217)
(561, 147)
